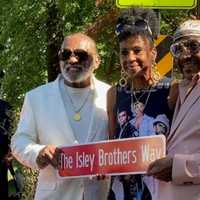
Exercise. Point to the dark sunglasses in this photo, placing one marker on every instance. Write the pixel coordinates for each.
(139, 24)
(81, 55)
(178, 48)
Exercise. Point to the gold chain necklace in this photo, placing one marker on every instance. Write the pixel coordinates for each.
(77, 114)
(138, 98)
(133, 104)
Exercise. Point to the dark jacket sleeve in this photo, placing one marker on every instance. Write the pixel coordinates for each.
(4, 128)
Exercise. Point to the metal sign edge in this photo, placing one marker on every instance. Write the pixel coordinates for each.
(158, 7)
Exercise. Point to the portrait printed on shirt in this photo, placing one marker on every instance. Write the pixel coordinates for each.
(144, 117)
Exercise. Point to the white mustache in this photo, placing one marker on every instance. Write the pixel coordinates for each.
(68, 66)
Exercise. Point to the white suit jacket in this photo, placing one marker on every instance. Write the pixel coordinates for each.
(44, 121)
(183, 144)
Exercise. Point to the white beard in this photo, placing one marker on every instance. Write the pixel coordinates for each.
(84, 75)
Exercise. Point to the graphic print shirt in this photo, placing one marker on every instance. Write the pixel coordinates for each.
(140, 113)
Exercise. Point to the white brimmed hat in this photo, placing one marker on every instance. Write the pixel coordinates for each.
(188, 28)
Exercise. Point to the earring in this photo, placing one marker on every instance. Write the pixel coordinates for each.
(155, 73)
(123, 79)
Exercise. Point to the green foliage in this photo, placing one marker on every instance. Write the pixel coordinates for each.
(170, 19)
(24, 39)
(30, 178)
(24, 27)
(23, 47)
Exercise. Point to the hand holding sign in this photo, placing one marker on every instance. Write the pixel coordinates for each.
(125, 156)
(161, 169)
(48, 155)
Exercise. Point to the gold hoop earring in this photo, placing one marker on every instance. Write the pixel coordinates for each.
(155, 74)
(123, 79)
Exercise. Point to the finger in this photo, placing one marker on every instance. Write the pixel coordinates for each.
(154, 170)
(153, 165)
(53, 154)
(52, 159)
(59, 152)
(54, 163)
(165, 175)
(56, 158)
(150, 167)
(100, 176)
(48, 155)
(157, 166)
(52, 149)
(91, 177)
(42, 162)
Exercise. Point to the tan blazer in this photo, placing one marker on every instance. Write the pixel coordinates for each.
(184, 144)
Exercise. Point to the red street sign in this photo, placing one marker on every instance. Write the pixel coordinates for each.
(113, 157)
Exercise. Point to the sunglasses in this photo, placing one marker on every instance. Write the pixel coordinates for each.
(179, 47)
(139, 24)
(81, 55)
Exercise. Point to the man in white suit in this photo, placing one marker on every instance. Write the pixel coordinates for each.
(71, 110)
(179, 171)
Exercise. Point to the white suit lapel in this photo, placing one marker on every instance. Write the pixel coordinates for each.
(61, 117)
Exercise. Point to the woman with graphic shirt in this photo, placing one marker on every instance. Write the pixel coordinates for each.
(140, 91)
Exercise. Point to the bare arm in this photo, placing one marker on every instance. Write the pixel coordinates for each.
(111, 101)
(173, 94)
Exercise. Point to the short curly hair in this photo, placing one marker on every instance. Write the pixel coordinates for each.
(128, 18)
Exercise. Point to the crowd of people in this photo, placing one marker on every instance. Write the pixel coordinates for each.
(77, 108)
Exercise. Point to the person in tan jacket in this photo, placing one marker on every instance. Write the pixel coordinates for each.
(179, 172)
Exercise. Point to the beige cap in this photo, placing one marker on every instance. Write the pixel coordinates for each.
(188, 28)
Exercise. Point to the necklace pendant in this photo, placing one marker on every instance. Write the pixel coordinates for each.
(136, 103)
(77, 116)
